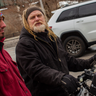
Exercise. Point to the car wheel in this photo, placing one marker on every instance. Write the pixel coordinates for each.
(74, 46)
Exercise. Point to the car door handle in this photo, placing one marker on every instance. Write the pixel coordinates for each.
(79, 21)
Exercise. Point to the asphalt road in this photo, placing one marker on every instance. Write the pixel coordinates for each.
(90, 52)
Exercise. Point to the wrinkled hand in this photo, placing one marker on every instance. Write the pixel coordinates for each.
(70, 83)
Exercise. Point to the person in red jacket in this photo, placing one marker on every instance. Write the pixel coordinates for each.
(11, 82)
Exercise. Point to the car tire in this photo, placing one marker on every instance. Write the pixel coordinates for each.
(74, 45)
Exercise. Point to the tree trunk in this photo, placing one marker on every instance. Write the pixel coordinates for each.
(4, 2)
(49, 5)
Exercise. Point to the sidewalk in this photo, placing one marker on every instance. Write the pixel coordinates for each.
(9, 46)
(11, 51)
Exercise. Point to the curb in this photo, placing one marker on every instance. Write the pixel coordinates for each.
(8, 39)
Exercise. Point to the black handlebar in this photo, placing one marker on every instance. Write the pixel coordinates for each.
(88, 74)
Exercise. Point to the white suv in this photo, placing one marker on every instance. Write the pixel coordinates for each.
(76, 26)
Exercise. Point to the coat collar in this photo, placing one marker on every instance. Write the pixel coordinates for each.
(24, 32)
(1, 43)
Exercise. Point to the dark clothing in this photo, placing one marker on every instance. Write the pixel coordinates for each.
(11, 82)
(1, 45)
(42, 67)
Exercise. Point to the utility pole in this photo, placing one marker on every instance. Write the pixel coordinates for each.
(42, 6)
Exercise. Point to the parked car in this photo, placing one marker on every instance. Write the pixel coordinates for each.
(76, 26)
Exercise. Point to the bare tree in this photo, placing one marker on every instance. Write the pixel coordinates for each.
(3, 2)
(49, 6)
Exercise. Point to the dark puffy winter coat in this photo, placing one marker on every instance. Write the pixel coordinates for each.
(42, 67)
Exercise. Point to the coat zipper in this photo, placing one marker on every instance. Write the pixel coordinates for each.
(57, 53)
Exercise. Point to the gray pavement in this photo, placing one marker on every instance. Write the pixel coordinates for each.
(10, 44)
(11, 51)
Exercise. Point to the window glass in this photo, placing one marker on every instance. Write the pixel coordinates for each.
(87, 10)
(67, 15)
